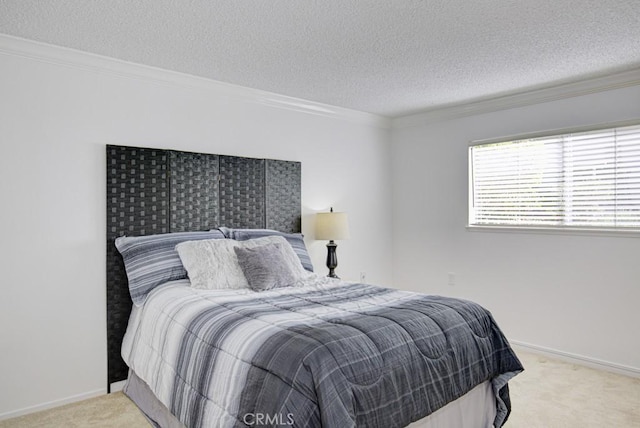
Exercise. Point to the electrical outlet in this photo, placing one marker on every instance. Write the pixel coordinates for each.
(451, 279)
(363, 277)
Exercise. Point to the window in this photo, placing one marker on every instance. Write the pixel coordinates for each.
(574, 180)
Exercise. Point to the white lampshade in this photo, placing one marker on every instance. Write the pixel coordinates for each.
(332, 226)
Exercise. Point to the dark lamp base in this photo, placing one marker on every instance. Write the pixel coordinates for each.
(332, 259)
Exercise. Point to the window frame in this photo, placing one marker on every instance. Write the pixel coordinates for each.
(633, 232)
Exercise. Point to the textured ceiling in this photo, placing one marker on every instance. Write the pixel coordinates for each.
(389, 57)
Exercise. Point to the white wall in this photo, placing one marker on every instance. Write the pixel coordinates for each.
(55, 120)
(573, 294)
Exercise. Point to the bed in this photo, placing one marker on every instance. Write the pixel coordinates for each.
(229, 326)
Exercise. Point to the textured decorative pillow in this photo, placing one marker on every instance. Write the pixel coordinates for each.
(296, 240)
(213, 264)
(266, 266)
(152, 260)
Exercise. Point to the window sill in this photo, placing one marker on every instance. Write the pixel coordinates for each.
(584, 231)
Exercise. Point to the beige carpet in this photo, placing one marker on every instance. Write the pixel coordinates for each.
(555, 394)
(111, 410)
(549, 394)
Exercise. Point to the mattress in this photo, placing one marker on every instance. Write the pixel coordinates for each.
(326, 353)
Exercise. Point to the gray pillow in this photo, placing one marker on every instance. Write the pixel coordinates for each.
(295, 239)
(266, 266)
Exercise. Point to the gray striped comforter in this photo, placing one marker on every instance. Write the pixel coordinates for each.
(327, 354)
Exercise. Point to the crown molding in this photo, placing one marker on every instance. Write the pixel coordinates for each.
(521, 99)
(89, 62)
(66, 57)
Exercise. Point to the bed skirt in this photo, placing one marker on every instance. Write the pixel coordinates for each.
(475, 409)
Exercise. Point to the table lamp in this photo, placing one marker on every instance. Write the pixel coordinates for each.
(332, 226)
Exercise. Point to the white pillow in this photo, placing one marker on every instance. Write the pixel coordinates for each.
(212, 263)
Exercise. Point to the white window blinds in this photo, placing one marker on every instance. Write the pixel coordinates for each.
(584, 180)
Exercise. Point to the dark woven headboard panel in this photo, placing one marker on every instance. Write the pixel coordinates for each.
(153, 191)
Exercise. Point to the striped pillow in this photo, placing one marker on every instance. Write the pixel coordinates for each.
(295, 239)
(152, 260)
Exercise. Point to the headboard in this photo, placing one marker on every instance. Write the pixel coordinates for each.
(152, 191)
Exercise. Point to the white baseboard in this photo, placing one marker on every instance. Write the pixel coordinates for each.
(577, 359)
(52, 404)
